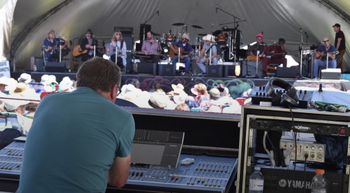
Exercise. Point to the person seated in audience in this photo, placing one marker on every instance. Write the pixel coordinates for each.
(320, 56)
(182, 107)
(275, 54)
(201, 93)
(25, 78)
(257, 49)
(136, 83)
(3, 83)
(156, 87)
(152, 48)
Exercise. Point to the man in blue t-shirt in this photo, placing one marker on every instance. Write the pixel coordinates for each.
(80, 140)
(321, 53)
(186, 54)
(50, 46)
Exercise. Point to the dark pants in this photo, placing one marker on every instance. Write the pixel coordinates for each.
(119, 61)
(267, 61)
(339, 59)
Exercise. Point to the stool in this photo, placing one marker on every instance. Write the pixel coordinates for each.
(271, 69)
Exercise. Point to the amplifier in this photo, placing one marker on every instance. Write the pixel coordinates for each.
(331, 73)
(214, 71)
(166, 70)
(124, 30)
(55, 67)
(38, 62)
(285, 72)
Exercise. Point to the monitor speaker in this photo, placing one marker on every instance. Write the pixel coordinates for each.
(38, 62)
(166, 70)
(214, 71)
(286, 72)
(55, 67)
(147, 68)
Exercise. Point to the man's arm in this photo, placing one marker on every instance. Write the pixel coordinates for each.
(338, 43)
(119, 172)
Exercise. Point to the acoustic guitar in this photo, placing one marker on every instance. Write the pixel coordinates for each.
(77, 51)
(172, 53)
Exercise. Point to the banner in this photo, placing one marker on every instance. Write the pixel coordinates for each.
(5, 69)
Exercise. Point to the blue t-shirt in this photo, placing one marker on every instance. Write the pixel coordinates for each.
(56, 42)
(187, 47)
(207, 47)
(73, 141)
(322, 48)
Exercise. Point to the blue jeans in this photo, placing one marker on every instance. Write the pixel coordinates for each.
(318, 63)
(187, 61)
(201, 65)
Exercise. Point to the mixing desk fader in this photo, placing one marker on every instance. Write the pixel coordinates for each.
(205, 174)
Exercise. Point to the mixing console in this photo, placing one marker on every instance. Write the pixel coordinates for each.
(205, 174)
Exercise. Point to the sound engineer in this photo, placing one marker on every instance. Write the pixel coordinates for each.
(80, 140)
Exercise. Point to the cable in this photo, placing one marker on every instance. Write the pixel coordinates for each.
(295, 144)
(305, 156)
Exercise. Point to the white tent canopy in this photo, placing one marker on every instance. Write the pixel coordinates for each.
(32, 19)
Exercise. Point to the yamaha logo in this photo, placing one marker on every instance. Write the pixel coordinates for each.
(282, 183)
(302, 128)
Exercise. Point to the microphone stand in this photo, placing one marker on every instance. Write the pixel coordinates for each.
(301, 55)
(235, 34)
(157, 12)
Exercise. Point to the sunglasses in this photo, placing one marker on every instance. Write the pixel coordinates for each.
(259, 38)
(325, 41)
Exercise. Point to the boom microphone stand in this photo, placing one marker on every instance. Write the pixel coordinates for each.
(143, 32)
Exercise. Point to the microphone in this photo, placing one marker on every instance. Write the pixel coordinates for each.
(216, 10)
(301, 31)
(158, 12)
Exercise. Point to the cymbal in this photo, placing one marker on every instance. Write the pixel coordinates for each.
(201, 34)
(178, 24)
(156, 34)
(197, 26)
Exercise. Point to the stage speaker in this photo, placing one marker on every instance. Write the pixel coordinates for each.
(144, 28)
(286, 72)
(55, 67)
(331, 73)
(166, 70)
(124, 30)
(128, 38)
(214, 71)
(147, 68)
(38, 62)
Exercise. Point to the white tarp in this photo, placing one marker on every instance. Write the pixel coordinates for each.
(275, 18)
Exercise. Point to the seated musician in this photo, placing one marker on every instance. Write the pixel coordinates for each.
(208, 54)
(50, 45)
(187, 50)
(275, 54)
(88, 44)
(117, 43)
(320, 54)
(152, 48)
(259, 46)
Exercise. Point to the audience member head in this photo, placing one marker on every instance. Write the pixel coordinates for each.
(199, 89)
(3, 83)
(25, 78)
(336, 27)
(158, 101)
(223, 90)
(66, 85)
(31, 107)
(136, 83)
(102, 76)
(182, 107)
(17, 106)
(214, 93)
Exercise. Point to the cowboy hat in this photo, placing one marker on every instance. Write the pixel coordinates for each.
(186, 36)
(209, 37)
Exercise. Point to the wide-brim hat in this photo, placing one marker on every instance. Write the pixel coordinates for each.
(186, 36)
(158, 101)
(21, 87)
(215, 93)
(11, 104)
(25, 78)
(4, 80)
(209, 37)
(179, 85)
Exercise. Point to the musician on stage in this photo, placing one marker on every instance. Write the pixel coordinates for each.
(275, 54)
(88, 44)
(321, 52)
(187, 48)
(118, 43)
(208, 53)
(339, 44)
(152, 48)
(50, 45)
(258, 46)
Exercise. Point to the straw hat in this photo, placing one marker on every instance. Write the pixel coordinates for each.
(209, 37)
(186, 36)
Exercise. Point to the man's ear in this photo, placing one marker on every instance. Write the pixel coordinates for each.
(113, 92)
